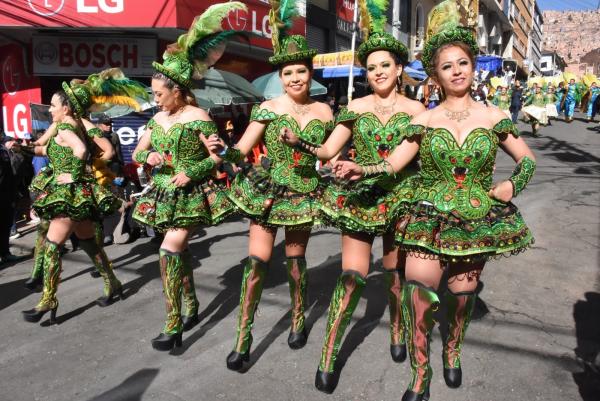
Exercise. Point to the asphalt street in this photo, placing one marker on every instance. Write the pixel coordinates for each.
(536, 331)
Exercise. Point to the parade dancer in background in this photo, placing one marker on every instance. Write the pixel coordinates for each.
(535, 109)
(183, 193)
(594, 92)
(69, 198)
(280, 194)
(459, 219)
(502, 99)
(550, 100)
(376, 125)
(571, 99)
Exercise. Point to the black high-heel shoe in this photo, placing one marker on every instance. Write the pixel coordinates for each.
(297, 339)
(410, 395)
(166, 342)
(104, 301)
(34, 315)
(235, 360)
(33, 282)
(453, 377)
(190, 321)
(325, 381)
(398, 352)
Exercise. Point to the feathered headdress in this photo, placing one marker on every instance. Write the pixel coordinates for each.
(100, 91)
(201, 47)
(450, 21)
(373, 18)
(286, 48)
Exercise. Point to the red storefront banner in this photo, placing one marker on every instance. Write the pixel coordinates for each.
(345, 10)
(18, 89)
(136, 14)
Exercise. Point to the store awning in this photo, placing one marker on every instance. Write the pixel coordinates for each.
(340, 71)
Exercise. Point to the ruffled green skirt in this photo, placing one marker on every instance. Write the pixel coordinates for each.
(364, 206)
(425, 231)
(200, 203)
(270, 204)
(78, 201)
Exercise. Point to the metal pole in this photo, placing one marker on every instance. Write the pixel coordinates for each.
(352, 47)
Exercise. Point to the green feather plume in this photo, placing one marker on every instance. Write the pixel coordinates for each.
(377, 9)
(112, 82)
(204, 43)
(281, 19)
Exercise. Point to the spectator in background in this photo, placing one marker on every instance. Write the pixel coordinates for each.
(7, 198)
(116, 164)
(479, 94)
(516, 101)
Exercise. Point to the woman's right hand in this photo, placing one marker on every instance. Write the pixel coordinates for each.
(214, 144)
(288, 137)
(154, 159)
(347, 170)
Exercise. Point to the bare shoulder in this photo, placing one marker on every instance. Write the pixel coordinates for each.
(361, 104)
(196, 113)
(493, 113)
(423, 117)
(323, 111)
(411, 107)
(271, 104)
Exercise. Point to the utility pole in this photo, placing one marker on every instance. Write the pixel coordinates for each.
(352, 47)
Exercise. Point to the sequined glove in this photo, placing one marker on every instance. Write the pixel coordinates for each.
(307, 147)
(142, 156)
(200, 170)
(381, 168)
(522, 175)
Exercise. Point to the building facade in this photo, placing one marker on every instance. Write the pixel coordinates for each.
(535, 41)
(551, 63)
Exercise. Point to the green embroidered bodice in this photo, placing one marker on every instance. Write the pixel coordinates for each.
(373, 140)
(180, 147)
(456, 179)
(61, 157)
(502, 101)
(550, 98)
(289, 166)
(537, 99)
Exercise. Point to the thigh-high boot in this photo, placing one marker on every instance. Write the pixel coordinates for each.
(296, 270)
(394, 281)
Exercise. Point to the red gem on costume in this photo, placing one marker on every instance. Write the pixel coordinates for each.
(453, 160)
(382, 208)
(383, 153)
(377, 137)
(468, 159)
(297, 156)
(389, 138)
(340, 201)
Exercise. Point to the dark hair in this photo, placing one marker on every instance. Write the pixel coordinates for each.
(186, 94)
(466, 48)
(307, 62)
(64, 99)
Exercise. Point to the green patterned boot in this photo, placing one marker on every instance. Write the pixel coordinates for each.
(37, 273)
(345, 297)
(99, 238)
(252, 286)
(459, 311)
(418, 306)
(112, 286)
(171, 271)
(190, 319)
(52, 269)
(296, 269)
(393, 281)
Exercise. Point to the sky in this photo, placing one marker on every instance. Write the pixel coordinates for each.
(568, 4)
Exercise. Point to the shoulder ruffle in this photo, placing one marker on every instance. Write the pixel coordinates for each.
(259, 114)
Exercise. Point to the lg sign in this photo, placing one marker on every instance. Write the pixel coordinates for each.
(51, 7)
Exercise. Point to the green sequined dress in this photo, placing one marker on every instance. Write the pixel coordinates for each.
(370, 205)
(282, 193)
(202, 201)
(453, 217)
(81, 200)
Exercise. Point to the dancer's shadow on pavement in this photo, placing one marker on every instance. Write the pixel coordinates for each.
(587, 329)
(132, 388)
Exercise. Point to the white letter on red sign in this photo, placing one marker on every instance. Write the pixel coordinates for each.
(82, 8)
(116, 8)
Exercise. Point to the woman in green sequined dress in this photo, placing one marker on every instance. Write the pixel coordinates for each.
(535, 108)
(71, 200)
(280, 194)
(183, 193)
(459, 219)
(365, 209)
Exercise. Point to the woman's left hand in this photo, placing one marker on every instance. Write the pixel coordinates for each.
(64, 178)
(502, 191)
(181, 180)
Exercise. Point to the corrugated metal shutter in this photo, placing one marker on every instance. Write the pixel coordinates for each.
(316, 38)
